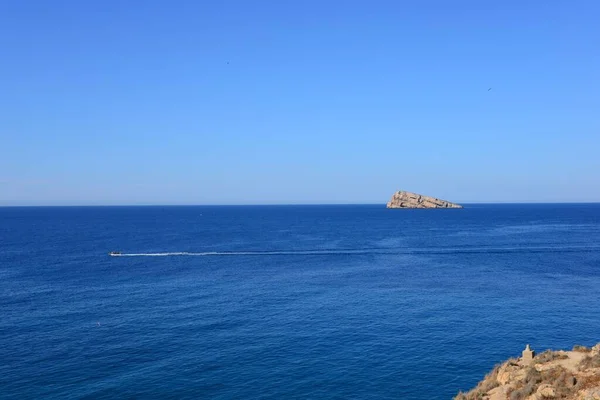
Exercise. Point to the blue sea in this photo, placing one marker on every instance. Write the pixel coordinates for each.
(287, 302)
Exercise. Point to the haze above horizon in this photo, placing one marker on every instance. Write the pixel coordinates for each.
(232, 102)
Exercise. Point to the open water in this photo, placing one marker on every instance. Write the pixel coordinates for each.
(287, 302)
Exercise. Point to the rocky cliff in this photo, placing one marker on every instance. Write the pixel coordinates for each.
(404, 199)
(569, 375)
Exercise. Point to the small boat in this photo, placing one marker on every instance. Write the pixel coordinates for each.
(114, 253)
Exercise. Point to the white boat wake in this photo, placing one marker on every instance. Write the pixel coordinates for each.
(374, 251)
(247, 253)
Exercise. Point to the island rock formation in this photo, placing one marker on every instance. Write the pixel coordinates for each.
(404, 199)
(569, 375)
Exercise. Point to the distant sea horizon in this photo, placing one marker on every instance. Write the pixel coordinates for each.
(471, 203)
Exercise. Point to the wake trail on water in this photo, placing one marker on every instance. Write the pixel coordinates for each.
(246, 253)
(388, 251)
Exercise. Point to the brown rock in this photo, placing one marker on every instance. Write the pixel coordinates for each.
(403, 199)
(589, 394)
(546, 391)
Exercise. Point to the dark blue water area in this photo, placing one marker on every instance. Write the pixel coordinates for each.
(294, 302)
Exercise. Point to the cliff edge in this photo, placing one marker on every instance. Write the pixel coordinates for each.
(569, 375)
(404, 199)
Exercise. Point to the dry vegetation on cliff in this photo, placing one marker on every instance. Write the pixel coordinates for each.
(569, 375)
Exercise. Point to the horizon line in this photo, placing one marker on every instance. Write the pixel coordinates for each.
(279, 204)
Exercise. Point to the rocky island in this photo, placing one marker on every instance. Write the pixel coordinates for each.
(569, 375)
(403, 199)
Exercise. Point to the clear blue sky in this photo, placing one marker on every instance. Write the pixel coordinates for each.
(262, 102)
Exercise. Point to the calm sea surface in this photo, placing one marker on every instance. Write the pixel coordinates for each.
(287, 302)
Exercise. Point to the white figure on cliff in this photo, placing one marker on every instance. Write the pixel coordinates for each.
(528, 355)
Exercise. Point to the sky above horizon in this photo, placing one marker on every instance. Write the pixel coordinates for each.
(290, 102)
